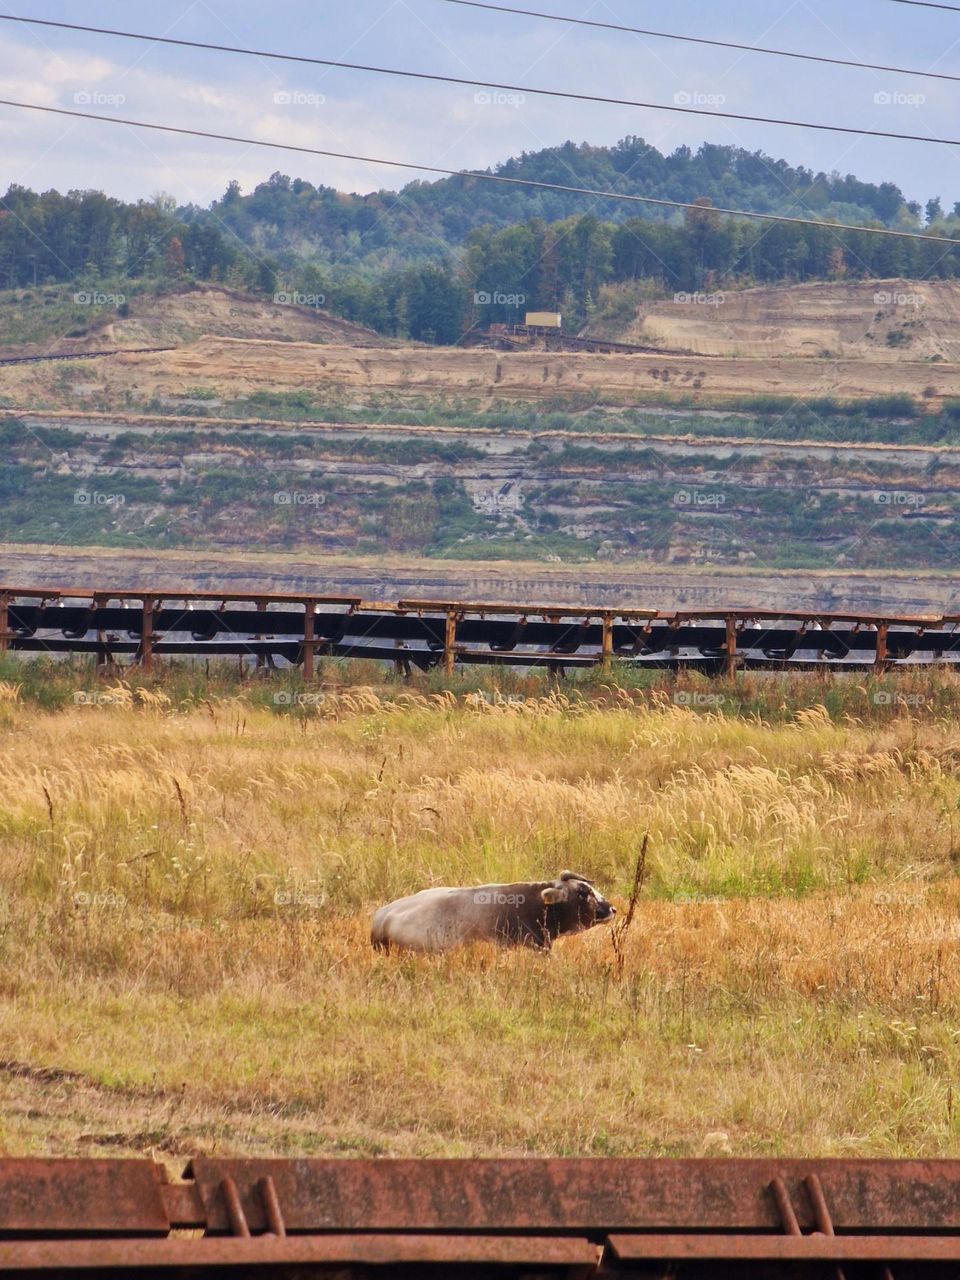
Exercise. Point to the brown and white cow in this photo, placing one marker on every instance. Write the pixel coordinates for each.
(520, 915)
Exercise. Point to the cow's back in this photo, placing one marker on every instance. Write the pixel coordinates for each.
(431, 920)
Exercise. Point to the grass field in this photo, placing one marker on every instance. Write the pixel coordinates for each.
(187, 876)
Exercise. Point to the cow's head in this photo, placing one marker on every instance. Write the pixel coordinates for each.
(575, 903)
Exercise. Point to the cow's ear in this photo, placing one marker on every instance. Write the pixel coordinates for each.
(552, 895)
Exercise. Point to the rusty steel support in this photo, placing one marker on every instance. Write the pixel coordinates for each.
(730, 661)
(606, 644)
(309, 638)
(450, 641)
(261, 657)
(145, 649)
(883, 629)
(5, 633)
(271, 1207)
(104, 659)
(818, 1203)
(785, 1207)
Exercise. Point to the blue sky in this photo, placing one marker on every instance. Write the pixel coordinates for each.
(445, 125)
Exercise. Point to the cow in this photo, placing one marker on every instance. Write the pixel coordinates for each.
(518, 915)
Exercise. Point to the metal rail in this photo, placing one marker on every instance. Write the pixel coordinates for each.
(686, 1219)
(523, 337)
(83, 355)
(297, 629)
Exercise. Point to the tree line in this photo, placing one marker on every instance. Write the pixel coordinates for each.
(565, 266)
(494, 275)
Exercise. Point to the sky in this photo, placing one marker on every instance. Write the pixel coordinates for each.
(457, 126)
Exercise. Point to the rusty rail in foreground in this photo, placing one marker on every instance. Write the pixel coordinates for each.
(684, 1219)
(140, 626)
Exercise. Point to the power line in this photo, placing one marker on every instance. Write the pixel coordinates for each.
(473, 175)
(490, 84)
(717, 44)
(929, 4)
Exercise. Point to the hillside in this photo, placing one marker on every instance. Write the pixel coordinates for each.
(215, 369)
(50, 319)
(477, 493)
(882, 320)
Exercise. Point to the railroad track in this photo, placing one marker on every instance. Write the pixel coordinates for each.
(298, 629)
(82, 355)
(682, 1219)
(600, 346)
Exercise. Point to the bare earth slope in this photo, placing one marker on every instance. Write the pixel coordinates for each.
(883, 320)
(169, 319)
(230, 366)
(851, 340)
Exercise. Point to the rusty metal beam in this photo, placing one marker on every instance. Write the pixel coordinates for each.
(574, 1258)
(76, 1217)
(239, 597)
(579, 1196)
(532, 610)
(108, 1197)
(803, 1248)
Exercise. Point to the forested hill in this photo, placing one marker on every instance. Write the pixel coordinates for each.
(285, 215)
(437, 259)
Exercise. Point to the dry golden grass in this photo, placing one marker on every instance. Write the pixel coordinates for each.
(185, 897)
